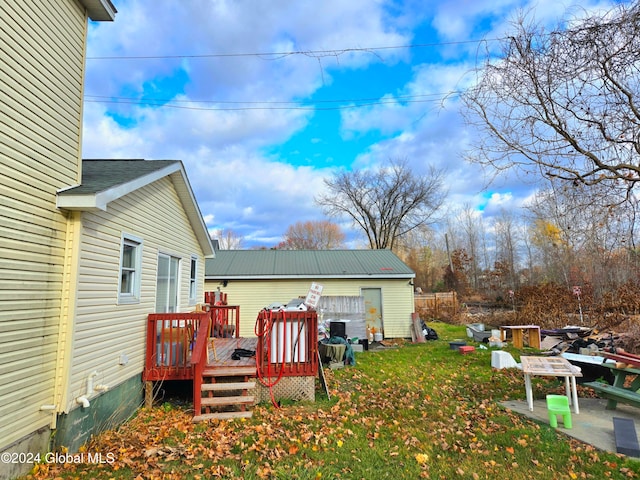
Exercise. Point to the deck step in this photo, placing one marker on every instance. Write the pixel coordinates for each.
(222, 416)
(222, 401)
(229, 371)
(225, 386)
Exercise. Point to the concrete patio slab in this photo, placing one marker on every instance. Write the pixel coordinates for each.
(593, 425)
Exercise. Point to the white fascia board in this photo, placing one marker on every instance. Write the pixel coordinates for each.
(119, 191)
(100, 200)
(88, 202)
(100, 10)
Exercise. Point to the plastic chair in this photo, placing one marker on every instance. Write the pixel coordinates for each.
(559, 405)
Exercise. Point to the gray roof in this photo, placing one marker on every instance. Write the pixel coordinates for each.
(104, 181)
(101, 175)
(274, 264)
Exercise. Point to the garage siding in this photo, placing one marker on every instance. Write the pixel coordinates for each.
(253, 295)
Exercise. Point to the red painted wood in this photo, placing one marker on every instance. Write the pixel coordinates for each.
(170, 338)
(280, 335)
(624, 357)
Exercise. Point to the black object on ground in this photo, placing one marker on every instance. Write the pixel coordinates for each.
(624, 430)
(242, 352)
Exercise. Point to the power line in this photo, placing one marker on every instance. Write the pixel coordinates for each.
(308, 53)
(331, 52)
(274, 102)
(270, 105)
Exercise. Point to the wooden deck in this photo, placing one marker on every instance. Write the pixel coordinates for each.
(196, 346)
(221, 349)
(177, 351)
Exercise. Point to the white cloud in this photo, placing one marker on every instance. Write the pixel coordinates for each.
(240, 184)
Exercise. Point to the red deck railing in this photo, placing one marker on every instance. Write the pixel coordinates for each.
(289, 342)
(170, 342)
(199, 361)
(171, 339)
(175, 350)
(225, 319)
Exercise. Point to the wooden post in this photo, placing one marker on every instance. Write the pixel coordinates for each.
(148, 394)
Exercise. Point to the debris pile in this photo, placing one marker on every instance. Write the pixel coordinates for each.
(586, 341)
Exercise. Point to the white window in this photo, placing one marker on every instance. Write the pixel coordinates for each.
(193, 280)
(130, 269)
(167, 284)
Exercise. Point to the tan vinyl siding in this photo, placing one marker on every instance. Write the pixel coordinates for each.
(253, 295)
(42, 50)
(105, 329)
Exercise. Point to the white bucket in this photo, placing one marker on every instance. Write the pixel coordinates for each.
(377, 337)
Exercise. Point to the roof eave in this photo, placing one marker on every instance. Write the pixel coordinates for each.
(100, 10)
(87, 202)
(175, 171)
(68, 200)
(286, 277)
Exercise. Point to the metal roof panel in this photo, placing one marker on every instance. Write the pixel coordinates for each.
(306, 263)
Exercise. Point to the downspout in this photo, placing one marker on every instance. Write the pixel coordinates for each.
(67, 315)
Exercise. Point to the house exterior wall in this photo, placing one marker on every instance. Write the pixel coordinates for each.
(253, 295)
(109, 337)
(40, 120)
(103, 329)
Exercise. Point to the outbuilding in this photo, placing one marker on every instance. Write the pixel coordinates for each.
(255, 279)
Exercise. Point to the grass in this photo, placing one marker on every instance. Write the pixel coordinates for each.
(417, 411)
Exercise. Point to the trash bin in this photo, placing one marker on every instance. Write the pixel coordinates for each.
(338, 329)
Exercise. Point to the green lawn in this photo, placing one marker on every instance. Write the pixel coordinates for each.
(417, 411)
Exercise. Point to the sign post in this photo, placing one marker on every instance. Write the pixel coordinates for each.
(313, 297)
(577, 291)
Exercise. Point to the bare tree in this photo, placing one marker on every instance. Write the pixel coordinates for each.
(386, 204)
(563, 104)
(419, 249)
(506, 243)
(471, 224)
(581, 240)
(313, 235)
(228, 239)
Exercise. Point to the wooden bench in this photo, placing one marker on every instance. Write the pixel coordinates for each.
(616, 394)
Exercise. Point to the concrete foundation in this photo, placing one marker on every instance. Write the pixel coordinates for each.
(27, 448)
(106, 411)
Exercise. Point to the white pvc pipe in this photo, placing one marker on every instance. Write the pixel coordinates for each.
(84, 401)
(90, 382)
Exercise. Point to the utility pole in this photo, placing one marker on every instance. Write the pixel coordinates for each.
(446, 241)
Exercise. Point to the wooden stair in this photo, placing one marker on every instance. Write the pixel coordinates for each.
(225, 392)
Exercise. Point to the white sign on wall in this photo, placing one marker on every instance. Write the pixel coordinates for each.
(313, 297)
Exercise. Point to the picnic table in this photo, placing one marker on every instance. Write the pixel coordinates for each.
(551, 367)
(624, 388)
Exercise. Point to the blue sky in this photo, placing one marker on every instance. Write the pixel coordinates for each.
(262, 100)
